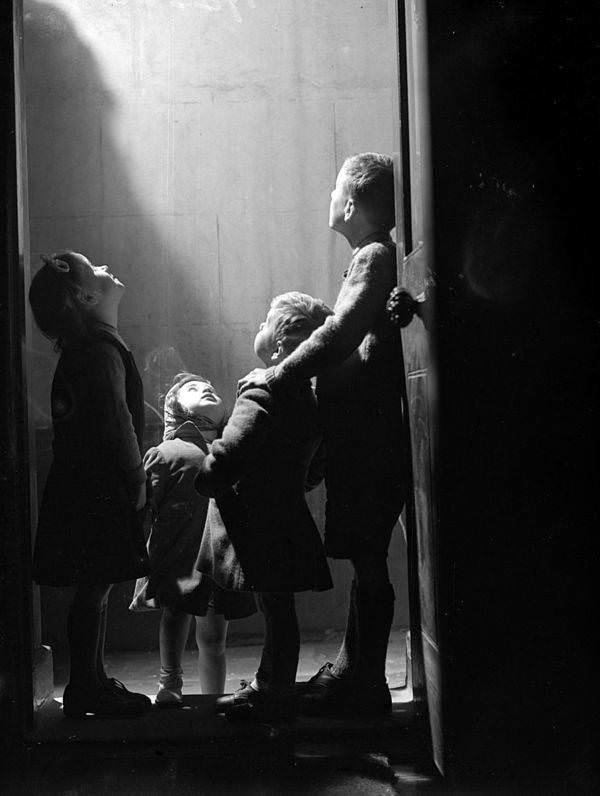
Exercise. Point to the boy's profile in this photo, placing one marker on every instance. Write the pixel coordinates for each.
(260, 535)
(357, 358)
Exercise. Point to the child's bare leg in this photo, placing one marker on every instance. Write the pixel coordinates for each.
(173, 633)
(211, 637)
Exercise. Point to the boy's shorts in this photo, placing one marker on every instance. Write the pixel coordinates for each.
(361, 521)
(366, 475)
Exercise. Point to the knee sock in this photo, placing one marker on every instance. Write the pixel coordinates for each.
(364, 648)
(374, 614)
(279, 660)
(83, 633)
(100, 670)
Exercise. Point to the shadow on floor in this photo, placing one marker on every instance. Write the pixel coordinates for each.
(194, 750)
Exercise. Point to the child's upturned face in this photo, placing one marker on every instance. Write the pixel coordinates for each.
(97, 280)
(265, 344)
(339, 198)
(201, 400)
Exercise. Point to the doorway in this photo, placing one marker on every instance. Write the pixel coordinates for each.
(136, 155)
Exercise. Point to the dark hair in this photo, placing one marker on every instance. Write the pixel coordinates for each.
(53, 299)
(182, 378)
(175, 413)
(170, 397)
(370, 180)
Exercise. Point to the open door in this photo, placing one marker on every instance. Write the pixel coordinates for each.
(415, 274)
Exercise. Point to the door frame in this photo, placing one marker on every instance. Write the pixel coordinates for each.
(16, 614)
(23, 685)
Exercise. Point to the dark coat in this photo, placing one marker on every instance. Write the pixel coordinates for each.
(178, 515)
(357, 358)
(87, 526)
(260, 534)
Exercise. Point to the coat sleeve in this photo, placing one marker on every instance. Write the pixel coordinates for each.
(361, 301)
(316, 469)
(115, 421)
(241, 446)
(157, 472)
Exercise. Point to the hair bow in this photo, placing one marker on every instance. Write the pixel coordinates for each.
(59, 265)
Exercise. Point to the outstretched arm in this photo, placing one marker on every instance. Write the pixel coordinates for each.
(361, 300)
(239, 449)
(157, 471)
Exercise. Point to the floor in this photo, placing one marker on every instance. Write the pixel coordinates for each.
(195, 751)
(139, 670)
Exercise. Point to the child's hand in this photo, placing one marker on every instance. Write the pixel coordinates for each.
(256, 378)
(139, 497)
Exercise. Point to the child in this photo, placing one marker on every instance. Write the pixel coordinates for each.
(358, 360)
(260, 535)
(90, 522)
(194, 415)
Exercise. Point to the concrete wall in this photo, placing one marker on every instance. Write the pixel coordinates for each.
(193, 145)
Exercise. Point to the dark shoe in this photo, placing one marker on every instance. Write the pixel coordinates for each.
(248, 704)
(323, 689)
(101, 702)
(117, 687)
(322, 679)
(327, 695)
(370, 699)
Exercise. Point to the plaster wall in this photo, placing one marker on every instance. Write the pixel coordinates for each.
(193, 146)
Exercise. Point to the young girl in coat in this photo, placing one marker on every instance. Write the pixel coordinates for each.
(194, 416)
(89, 532)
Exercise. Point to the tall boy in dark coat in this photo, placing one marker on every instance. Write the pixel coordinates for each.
(357, 358)
(260, 535)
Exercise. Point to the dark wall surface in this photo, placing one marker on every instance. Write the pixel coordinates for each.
(15, 579)
(512, 109)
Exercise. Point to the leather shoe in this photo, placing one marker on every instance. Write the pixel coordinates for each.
(327, 695)
(117, 687)
(250, 704)
(100, 702)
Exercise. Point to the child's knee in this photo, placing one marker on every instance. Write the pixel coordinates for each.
(371, 574)
(211, 638)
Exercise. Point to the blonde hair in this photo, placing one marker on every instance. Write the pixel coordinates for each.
(296, 315)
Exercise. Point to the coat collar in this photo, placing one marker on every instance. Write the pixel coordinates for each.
(105, 330)
(189, 432)
(377, 236)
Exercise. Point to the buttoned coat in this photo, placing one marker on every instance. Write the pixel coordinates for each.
(87, 526)
(357, 358)
(260, 534)
(178, 514)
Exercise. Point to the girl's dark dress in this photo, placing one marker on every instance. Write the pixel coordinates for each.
(87, 526)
